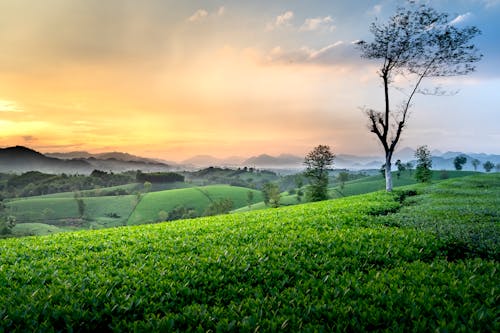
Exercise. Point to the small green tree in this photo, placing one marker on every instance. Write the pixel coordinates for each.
(382, 170)
(249, 198)
(271, 193)
(221, 206)
(401, 167)
(299, 182)
(488, 166)
(409, 167)
(475, 163)
(317, 163)
(424, 163)
(459, 161)
(147, 187)
(181, 212)
(80, 204)
(342, 177)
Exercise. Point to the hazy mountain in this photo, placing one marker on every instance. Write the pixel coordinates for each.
(102, 156)
(70, 155)
(208, 160)
(21, 159)
(268, 161)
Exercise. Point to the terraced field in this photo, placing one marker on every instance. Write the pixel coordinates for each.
(413, 260)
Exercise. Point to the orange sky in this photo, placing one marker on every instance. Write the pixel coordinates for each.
(173, 80)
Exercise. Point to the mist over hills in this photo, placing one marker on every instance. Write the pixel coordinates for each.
(20, 159)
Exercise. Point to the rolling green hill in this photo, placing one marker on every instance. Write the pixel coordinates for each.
(64, 211)
(197, 198)
(363, 185)
(424, 258)
(45, 214)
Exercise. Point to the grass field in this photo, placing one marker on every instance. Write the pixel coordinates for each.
(377, 183)
(197, 198)
(38, 215)
(362, 186)
(59, 212)
(414, 260)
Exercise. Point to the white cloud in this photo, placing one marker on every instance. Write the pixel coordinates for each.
(338, 53)
(9, 106)
(202, 14)
(199, 15)
(280, 21)
(318, 23)
(376, 10)
(460, 18)
(490, 3)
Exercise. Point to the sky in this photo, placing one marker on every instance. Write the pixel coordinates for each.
(173, 79)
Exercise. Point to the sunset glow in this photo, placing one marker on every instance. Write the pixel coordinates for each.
(173, 79)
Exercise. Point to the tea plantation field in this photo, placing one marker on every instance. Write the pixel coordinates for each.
(424, 258)
(59, 212)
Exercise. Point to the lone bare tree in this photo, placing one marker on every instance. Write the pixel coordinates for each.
(416, 43)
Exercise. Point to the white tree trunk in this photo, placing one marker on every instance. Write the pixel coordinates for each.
(388, 175)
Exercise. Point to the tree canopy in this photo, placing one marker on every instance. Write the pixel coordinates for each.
(415, 43)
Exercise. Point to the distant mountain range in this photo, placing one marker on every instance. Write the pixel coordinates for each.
(20, 159)
(102, 156)
(342, 161)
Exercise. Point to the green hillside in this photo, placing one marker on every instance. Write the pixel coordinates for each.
(377, 183)
(197, 198)
(363, 185)
(59, 211)
(423, 259)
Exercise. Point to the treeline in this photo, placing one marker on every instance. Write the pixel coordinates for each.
(159, 177)
(243, 177)
(35, 183)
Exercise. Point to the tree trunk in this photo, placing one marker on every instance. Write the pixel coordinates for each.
(388, 174)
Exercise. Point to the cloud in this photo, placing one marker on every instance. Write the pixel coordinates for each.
(318, 23)
(460, 18)
(376, 10)
(199, 15)
(490, 3)
(29, 138)
(281, 21)
(338, 53)
(202, 14)
(9, 106)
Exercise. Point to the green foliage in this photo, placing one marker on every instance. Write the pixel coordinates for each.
(317, 163)
(220, 206)
(35, 183)
(342, 177)
(195, 198)
(147, 186)
(424, 163)
(488, 166)
(242, 177)
(250, 197)
(475, 163)
(328, 266)
(80, 204)
(159, 177)
(459, 161)
(271, 194)
(401, 167)
(181, 212)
